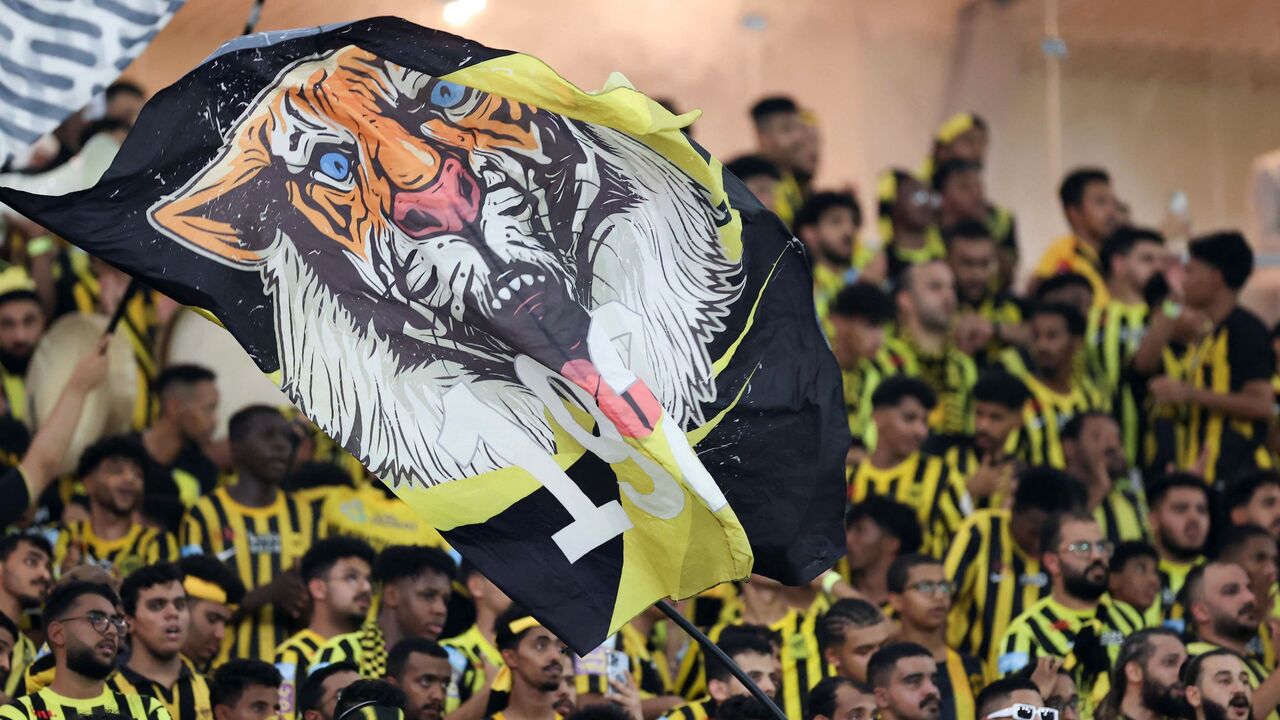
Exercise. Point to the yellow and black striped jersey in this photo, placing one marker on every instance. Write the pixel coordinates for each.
(479, 652)
(48, 705)
(859, 384)
(500, 715)
(827, 283)
(1068, 254)
(20, 658)
(292, 658)
(1115, 331)
(188, 699)
(259, 543)
(921, 482)
(951, 374)
(962, 460)
(995, 581)
(802, 663)
(1047, 411)
(1235, 353)
(140, 546)
(1168, 610)
(899, 257)
(1262, 647)
(1122, 516)
(702, 709)
(997, 308)
(960, 679)
(1051, 628)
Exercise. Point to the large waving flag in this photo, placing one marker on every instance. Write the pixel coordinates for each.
(58, 55)
(545, 317)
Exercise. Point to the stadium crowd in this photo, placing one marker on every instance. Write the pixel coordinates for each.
(1061, 502)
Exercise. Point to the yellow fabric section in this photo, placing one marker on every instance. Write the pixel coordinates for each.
(1067, 254)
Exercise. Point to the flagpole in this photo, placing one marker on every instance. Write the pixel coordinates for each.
(134, 286)
(710, 647)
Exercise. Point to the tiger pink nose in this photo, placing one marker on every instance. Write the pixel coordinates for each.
(447, 205)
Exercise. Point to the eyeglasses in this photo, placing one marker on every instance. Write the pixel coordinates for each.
(1022, 711)
(933, 587)
(921, 198)
(1061, 703)
(100, 621)
(1083, 548)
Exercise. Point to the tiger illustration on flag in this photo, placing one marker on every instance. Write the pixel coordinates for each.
(481, 230)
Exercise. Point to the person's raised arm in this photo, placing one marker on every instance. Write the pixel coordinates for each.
(41, 462)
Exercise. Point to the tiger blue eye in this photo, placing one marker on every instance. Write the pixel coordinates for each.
(446, 94)
(335, 165)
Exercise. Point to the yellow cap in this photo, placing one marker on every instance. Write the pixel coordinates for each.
(14, 279)
(955, 126)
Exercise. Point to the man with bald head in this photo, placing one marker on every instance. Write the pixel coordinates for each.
(922, 345)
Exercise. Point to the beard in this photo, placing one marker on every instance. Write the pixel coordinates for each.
(1161, 700)
(84, 660)
(15, 364)
(1079, 585)
(1236, 628)
(835, 256)
(1214, 711)
(1177, 549)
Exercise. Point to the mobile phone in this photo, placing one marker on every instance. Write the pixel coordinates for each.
(1179, 205)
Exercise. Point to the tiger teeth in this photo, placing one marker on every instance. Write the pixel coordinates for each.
(504, 294)
(528, 279)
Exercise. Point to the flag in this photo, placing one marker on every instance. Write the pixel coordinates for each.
(58, 55)
(546, 318)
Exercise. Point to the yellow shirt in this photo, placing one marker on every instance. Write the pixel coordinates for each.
(367, 513)
(1068, 254)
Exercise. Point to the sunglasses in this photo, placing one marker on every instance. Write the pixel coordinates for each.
(1022, 711)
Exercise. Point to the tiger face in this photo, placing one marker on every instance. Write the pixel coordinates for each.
(450, 230)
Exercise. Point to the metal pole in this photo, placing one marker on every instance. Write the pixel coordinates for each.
(710, 647)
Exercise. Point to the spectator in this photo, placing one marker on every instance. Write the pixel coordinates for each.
(187, 414)
(213, 591)
(898, 469)
(155, 606)
(1216, 684)
(1179, 522)
(994, 561)
(26, 575)
(921, 344)
(277, 531)
(1144, 680)
(839, 698)
(338, 574)
(1227, 400)
(1077, 621)
(83, 633)
(1058, 391)
(112, 470)
(22, 322)
(1130, 257)
(781, 138)
(1254, 499)
(759, 175)
(877, 531)
(858, 317)
(1091, 445)
(907, 231)
(1134, 579)
(987, 460)
(421, 669)
(990, 321)
(920, 595)
(318, 696)
(1092, 213)
(416, 586)
(902, 675)
(849, 633)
